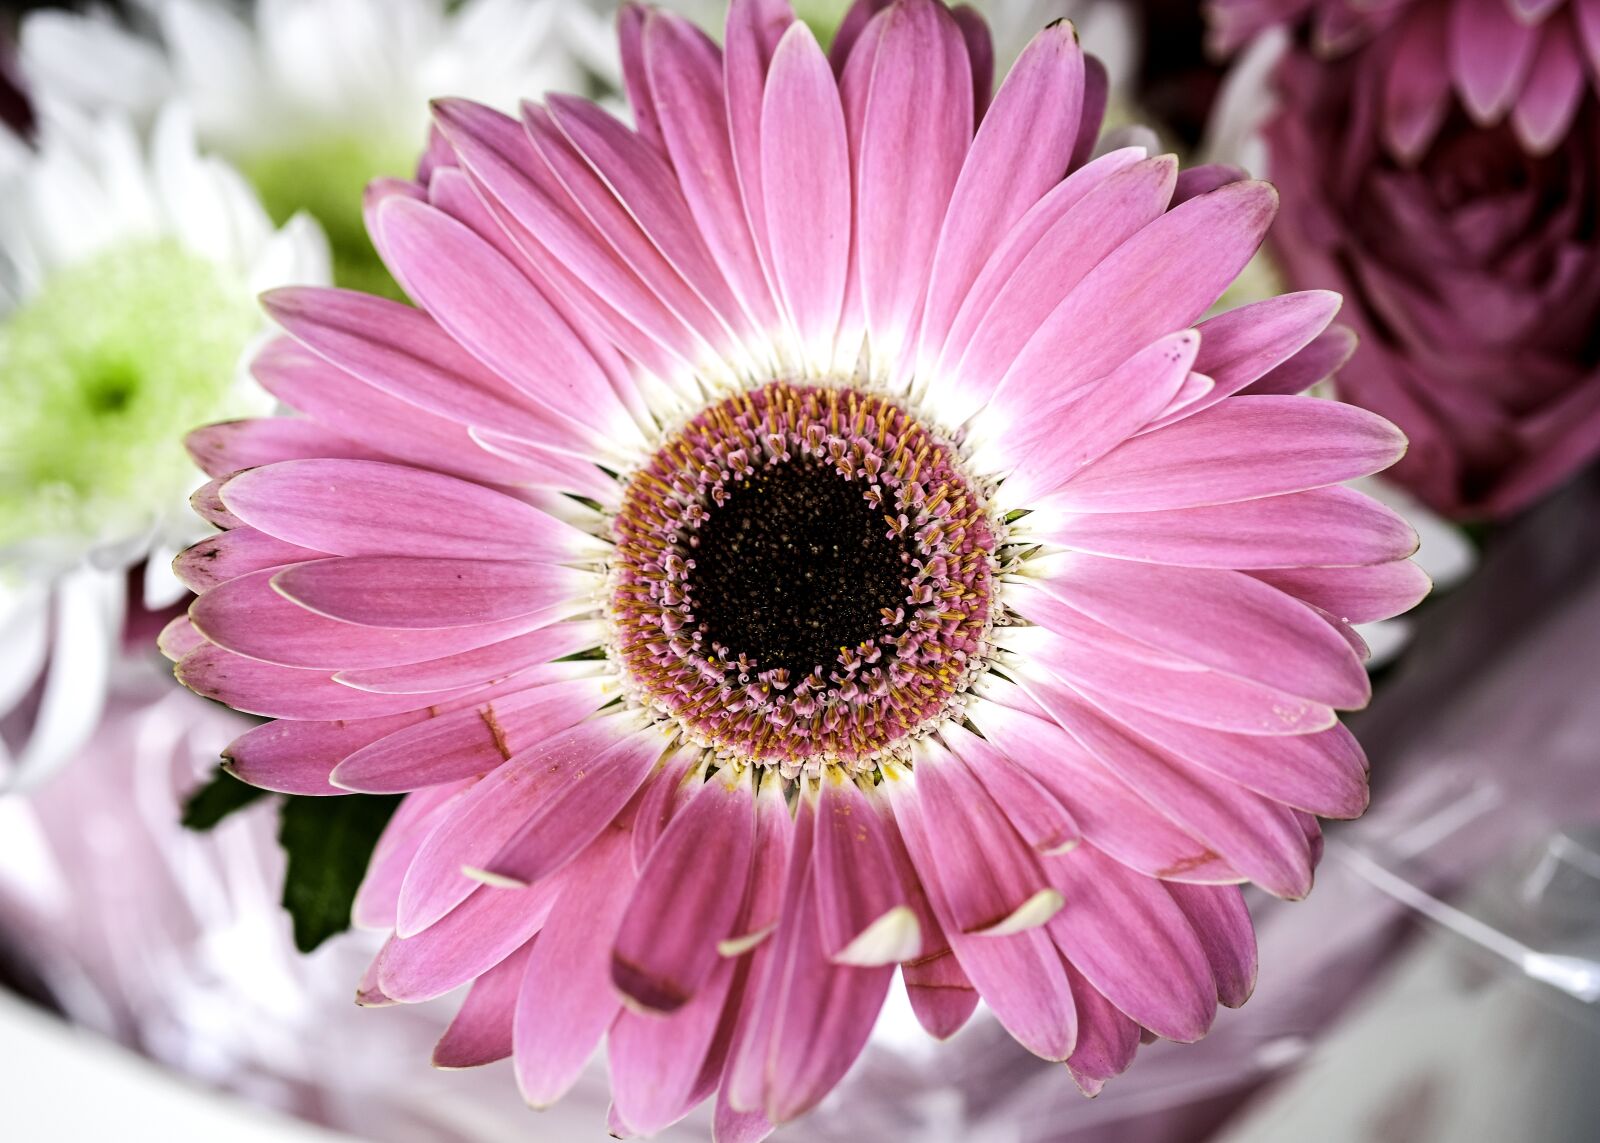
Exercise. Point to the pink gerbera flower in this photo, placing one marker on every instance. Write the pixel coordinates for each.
(804, 538)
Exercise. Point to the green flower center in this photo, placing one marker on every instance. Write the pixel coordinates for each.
(325, 178)
(101, 374)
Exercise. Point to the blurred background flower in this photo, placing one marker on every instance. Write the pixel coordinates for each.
(312, 99)
(128, 272)
(1447, 186)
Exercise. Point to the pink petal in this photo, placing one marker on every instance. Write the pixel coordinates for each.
(1107, 1040)
(1079, 234)
(655, 1060)
(1185, 610)
(864, 915)
(1240, 449)
(1203, 179)
(908, 164)
(980, 52)
(1019, 976)
(496, 662)
(401, 351)
(686, 74)
(1490, 53)
(631, 23)
(768, 872)
(1325, 773)
(1095, 659)
(468, 743)
(454, 192)
(1219, 918)
(230, 446)
(178, 638)
(1548, 104)
(747, 1077)
(1058, 440)
(823, 1017)
(207, 504)
(421, 593)
(688, 896)
(1256, 836)
(1096, 93)
(753, 32)
(567, 1001)
(1239, 347)
(378, 899)
(1113, 817)
(1038, 816)
(1324, 526)
(675, 781)
(481, 1031)
(1016, 158)
(297, 757)
(369, 508)
(498, 154)
(805, 173)
(672, 264)
(1020, 242)
(989, 878)
(228, 555)
(486, 927)
(940, 993)
(1159, 281)
(1416, 90)
(389, 427)
(248, 617)
(1320, 360)
(531, 815)
(644, 184)
(1129, 939)
(501, 319)
(733, 1126)
(273, 691)
(1354, 595)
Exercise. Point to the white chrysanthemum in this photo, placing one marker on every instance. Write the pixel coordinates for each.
(312, 99)
(128, 276)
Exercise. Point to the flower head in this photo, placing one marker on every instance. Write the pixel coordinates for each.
(314, 98)
(1474, 274)
(128, 270)
(1526, 63)
(805, 536)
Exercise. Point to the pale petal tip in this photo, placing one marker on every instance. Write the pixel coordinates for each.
(896, 936)
(1032, 913)
(492, 879)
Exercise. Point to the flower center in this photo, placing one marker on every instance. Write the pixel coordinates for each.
(101, 373)
(803, 575)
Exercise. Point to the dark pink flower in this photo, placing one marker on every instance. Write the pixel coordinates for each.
(1526, 62)
(1471, 271)
(810, 538)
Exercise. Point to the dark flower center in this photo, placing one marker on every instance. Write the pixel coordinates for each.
(794, 567)
(802, 575)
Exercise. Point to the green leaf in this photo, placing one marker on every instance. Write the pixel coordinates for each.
(329, 841)
(221, 796)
